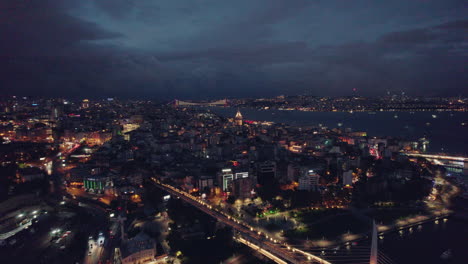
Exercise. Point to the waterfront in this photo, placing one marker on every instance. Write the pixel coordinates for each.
(443, 129)
(426, 245)
(421, 244)
(446, 134)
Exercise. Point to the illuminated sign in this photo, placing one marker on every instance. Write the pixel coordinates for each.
(240, 175)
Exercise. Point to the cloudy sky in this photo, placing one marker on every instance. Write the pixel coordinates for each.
(214, 48)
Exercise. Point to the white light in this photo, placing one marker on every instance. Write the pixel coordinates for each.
(112, 215)
(20, 215)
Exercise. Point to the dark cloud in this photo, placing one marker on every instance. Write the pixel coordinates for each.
(42, 27)
(210, 48)
(410, 37)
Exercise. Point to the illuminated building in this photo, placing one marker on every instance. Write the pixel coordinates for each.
(227, 178)
(348, 178)
(309, 181)
(96, 183)
(85, 104)
(238, 118)
(241, 175)
(56, 113)
(140, 249)
(130, 127)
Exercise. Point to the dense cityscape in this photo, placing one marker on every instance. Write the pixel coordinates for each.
(112, 181)
(390, 102)
(233, 132)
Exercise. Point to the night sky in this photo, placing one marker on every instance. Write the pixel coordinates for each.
(215, 48)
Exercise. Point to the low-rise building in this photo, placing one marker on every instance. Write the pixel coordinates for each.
(138, 250)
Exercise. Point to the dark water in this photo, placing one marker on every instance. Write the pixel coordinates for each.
(426, 245)
(420, 245)
(444, 130)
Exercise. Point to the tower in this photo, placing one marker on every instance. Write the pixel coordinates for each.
(85, 104)
(238, 118)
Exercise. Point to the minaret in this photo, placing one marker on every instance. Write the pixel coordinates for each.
(373, 254)
(238, 118)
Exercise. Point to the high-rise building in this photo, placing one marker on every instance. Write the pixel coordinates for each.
(348, 178)
(242, 188)
(309, 182)
(56, 112)
(266, 172)
(227, 177)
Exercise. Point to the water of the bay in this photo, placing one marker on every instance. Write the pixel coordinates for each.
(444, 130)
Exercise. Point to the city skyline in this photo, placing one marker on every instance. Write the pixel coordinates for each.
(289, 179)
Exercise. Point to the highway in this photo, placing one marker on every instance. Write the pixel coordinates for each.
(436, 156)
(275, 250)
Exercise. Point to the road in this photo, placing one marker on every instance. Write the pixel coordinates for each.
(273, 249)
(97, 221)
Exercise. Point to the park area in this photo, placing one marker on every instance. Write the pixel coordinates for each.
(327, 224)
